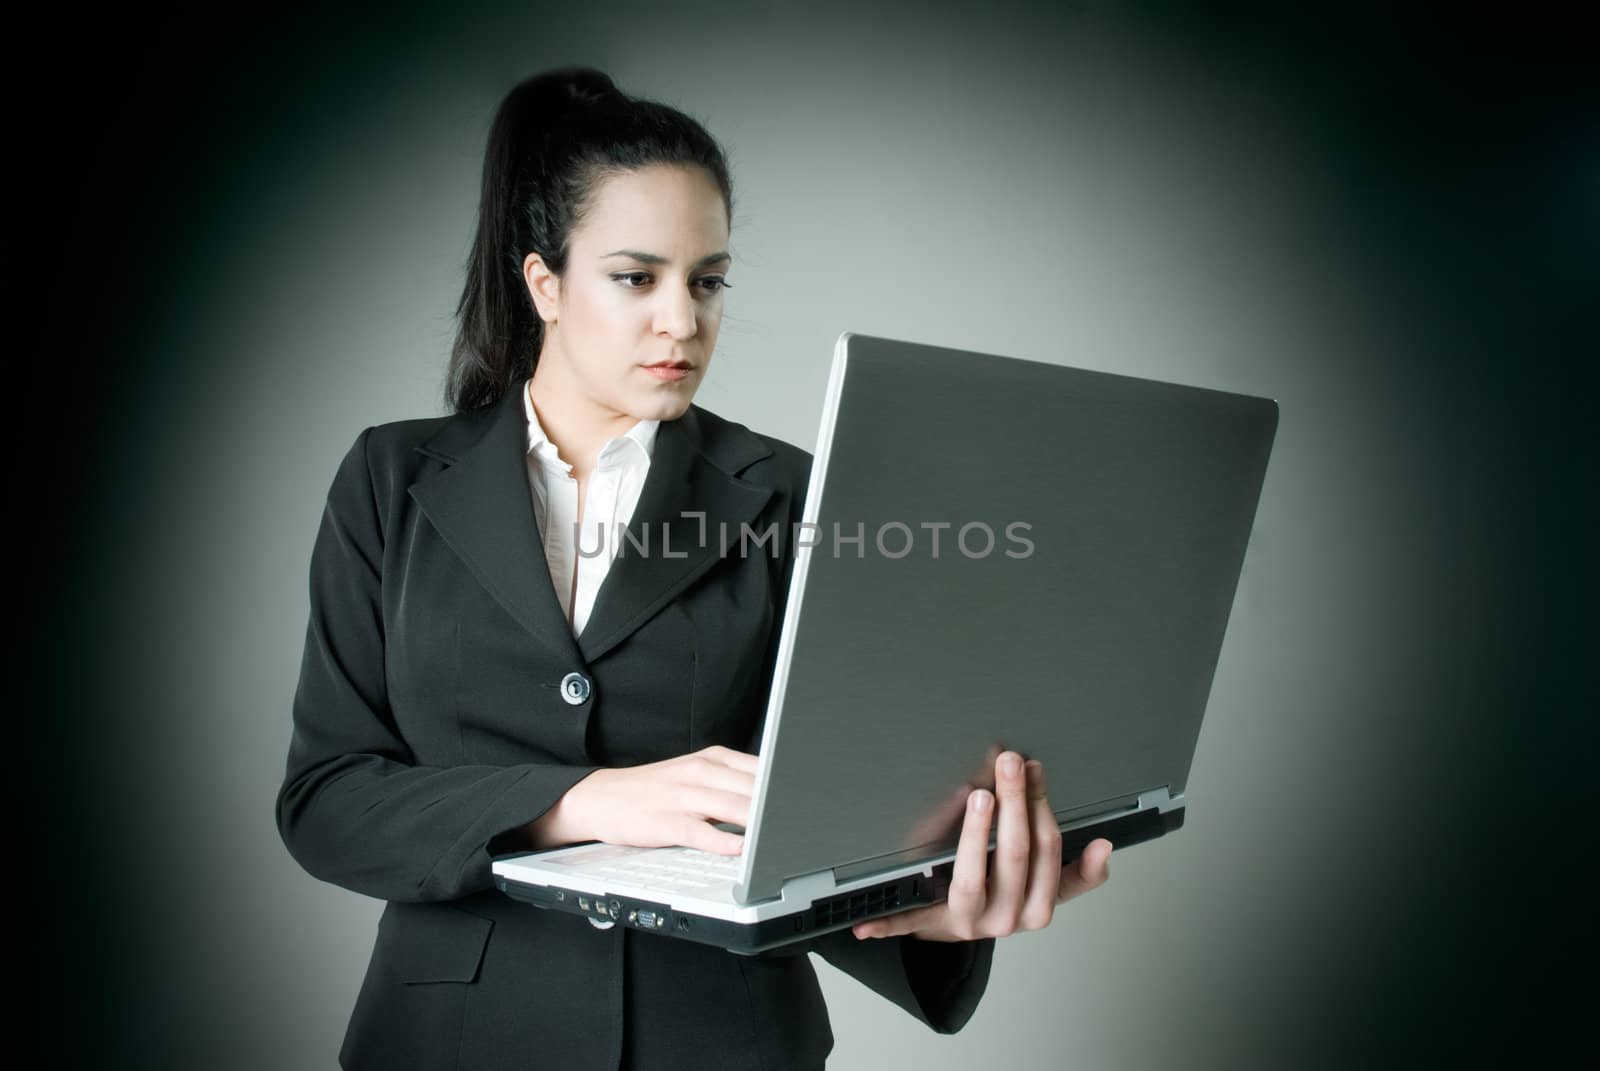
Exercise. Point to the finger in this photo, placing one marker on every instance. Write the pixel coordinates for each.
(902, 922)
(1089, 872)
(968, 893)
(716, 805)
(708, 773)
(708, 838)
(1044, 871)
(1013, 845)
(727, 756)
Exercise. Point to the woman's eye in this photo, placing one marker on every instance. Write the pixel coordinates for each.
(637, 280)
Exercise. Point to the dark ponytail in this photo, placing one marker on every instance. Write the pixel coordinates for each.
(554, 137)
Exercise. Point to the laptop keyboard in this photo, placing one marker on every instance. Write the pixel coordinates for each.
(680, 869)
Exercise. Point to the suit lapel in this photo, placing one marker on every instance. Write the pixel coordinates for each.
(664, 551)
(482, 507)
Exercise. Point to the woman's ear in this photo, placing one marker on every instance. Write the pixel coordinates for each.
(544, 286)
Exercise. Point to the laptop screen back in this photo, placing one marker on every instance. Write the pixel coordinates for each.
(1008, 554)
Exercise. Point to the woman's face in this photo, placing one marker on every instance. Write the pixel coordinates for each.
(631, 326)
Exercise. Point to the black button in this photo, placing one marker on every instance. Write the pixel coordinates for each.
(575, 688)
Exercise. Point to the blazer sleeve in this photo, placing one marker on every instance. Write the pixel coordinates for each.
(940, 983)
(355, 808)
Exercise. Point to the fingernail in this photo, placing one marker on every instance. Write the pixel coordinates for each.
(979, 801)
(1035, 772)
(1011, 765)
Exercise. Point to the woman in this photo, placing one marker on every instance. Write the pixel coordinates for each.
(480, 680)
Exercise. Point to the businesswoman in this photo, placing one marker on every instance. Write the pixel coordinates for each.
(484, 674)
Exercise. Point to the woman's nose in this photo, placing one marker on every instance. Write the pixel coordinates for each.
(676, 315)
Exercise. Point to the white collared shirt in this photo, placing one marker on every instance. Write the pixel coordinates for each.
(609, 500)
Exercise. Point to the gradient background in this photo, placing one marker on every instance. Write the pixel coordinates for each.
(253, 236)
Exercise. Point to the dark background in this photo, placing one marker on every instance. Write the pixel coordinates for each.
(1466, 158)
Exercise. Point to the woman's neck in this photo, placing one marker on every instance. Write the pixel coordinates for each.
(573, 422)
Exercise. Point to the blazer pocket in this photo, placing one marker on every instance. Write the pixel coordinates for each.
(787, 1007)
(435, 942)
(412, 1006)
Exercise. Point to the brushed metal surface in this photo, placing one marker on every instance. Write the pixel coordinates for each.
(1093, 651)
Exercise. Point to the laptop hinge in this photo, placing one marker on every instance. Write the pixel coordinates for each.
(1155, 799)
(1162, 799)
(878, 863)
(802, 890)
(811, 887)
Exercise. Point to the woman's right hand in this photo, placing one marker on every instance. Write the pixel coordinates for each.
(659, 804)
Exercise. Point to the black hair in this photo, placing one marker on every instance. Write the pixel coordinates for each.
(555, 136)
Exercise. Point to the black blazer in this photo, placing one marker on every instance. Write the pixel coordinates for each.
(429, 726)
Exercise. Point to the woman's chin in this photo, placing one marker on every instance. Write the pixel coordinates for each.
(665, 407)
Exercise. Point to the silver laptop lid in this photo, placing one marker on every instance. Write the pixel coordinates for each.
(1046, 561)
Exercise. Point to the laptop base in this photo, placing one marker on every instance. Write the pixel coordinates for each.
(824, 915)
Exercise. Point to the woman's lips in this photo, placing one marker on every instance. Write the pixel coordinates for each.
(669, 371)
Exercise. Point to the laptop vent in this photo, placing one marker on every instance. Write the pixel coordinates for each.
(852, 906)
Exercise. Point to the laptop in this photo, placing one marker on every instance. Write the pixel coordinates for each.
(996, 553)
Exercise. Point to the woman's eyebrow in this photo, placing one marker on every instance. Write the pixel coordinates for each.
(652, 258)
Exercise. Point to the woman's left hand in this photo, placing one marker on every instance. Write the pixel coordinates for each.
(1028, 880)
